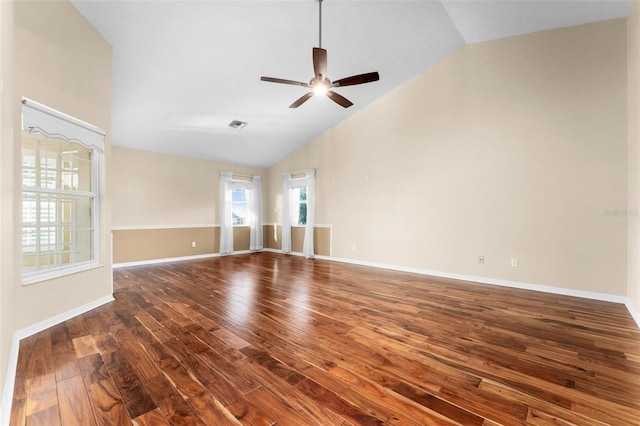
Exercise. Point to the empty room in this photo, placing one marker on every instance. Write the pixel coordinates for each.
(320, 212)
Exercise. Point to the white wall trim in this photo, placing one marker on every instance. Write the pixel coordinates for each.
(632, 310)
(317, 225)
(180, 259)
(164, 260)
(7, 393)
(143, 227)
(203, 225)
(293, 253)
(245, 252)
(9, 383)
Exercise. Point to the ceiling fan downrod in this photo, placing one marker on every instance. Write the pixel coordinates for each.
(320, 84)
(320, 24)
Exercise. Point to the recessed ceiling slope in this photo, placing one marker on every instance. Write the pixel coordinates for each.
(183, 70)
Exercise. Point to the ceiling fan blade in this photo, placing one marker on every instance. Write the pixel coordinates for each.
(339, 99)
(319, 61)
(357, 79)
(283, 81)
(302, 99)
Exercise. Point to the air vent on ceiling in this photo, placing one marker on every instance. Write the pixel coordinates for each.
(237, 124)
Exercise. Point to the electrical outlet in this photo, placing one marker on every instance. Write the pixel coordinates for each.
(481, 260)
(514, 262)
(193, 243)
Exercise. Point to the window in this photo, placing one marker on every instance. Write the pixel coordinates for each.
(240, 206)
(59, 194)
(298, 200)
(300, 205)
(58, 203)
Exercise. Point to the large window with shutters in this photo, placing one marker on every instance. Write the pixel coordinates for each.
(60, 191)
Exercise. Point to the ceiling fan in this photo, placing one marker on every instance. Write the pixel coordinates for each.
(320, 84)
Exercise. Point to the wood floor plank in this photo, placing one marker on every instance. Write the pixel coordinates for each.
(85, 345)
(93, 369)
(47, 417)
(77, 327)
(40, 356)
(151, 418)
(537, 405)
(211, 411)
(283, 385)
(75, 407)
(41, 393)
(171, 402)
(65, 359)
(136, 355)
(247, 414)
(277, 407)
(18, 411)
(108, 406)
(134, 395)
(269, 339)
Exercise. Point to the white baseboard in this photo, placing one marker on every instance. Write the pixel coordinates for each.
(633, 311)
(7, 393)
(165, 260)
(499, 282)
(180, 259)
(293, 253)
(483, 280)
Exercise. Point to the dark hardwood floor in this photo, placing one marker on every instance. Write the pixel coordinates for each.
(267, 339)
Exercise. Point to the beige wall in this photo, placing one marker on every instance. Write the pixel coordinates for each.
(61, 61)
(7, 247)
(508, 148)
(175, 196)
(135, 245)
(633, 75)
(161, 203)
(139, 245)
(162, 189)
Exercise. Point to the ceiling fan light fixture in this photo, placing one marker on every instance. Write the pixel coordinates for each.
(320, 87)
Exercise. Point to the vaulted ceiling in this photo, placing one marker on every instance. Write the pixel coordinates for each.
(183, 70)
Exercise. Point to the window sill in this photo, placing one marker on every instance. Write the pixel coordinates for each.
(37, 277)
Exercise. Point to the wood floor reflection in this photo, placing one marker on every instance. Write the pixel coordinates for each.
(268, 339)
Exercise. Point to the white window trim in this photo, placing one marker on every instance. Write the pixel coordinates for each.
(247, 186)
(55, 124)
(62, 271)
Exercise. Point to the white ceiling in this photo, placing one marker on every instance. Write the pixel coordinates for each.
(183, 70)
